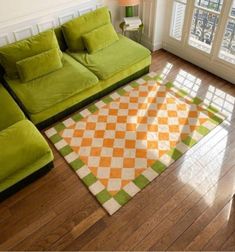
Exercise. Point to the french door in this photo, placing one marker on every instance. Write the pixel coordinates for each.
(203, 32)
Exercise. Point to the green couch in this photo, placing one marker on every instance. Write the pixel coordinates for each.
(52, 74)
(24, 151)
(84, 76)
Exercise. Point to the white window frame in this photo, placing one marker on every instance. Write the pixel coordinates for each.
(209, 61)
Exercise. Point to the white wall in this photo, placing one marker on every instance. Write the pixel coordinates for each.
(14, 9)
(116, 11)
(11, 10)
(152, 13)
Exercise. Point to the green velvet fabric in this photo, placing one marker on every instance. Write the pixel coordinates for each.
(39, 65)
(100, 88)
(111, 60)
(74, 29)
(100, 38)
(17, 51)
(10, 112)
(60, 38)
(45, 92)
(24, 152)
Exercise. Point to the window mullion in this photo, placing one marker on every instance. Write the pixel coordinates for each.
(223, 18)
(187, 23)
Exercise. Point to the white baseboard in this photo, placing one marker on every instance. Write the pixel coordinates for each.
(217, 67)
(151, 46)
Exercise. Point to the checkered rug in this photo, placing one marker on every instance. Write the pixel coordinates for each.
(119, 144)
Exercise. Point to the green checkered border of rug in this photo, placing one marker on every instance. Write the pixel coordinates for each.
(113, 203)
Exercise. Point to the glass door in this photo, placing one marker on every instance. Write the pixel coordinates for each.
(227, 50)
(203, 32)
(205, 20)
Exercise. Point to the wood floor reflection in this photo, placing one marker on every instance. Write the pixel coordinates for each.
(191, 206)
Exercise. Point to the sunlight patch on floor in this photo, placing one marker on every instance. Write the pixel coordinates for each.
(166, 70)
(188, 82)
(210, 174)
(222, 101)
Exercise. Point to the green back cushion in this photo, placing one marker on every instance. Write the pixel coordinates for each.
(60, 38)
(17, 51)
(100, 38)
(39, 65)
(74, 29)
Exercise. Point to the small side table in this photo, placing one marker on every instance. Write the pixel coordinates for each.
(124, 29)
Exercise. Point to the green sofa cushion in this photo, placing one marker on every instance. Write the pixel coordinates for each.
(113, 59)
(46, 91)
(17, 51)
(101, 88)
(10, 112)
(74, 29)
(100, 38)
(24, 152)
(41, 64)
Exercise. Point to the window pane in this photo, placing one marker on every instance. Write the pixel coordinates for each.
(203, 30)
(233, 9)
(215, 5)
(177, 21)
(227, 51)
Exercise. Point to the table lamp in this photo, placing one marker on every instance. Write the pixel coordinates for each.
(129, 4)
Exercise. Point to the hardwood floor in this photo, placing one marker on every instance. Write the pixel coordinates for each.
(191, 206)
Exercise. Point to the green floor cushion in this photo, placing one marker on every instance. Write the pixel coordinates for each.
(47, 91)
(113, 59)
(103, 87)
(10, 111)
(24, 152)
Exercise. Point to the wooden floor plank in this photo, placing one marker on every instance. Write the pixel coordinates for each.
(229, 245)
(176, 225)
(222, 234)
(31, 228)
(223, 196)
(79, 229)
(60, 225)
(211, 230)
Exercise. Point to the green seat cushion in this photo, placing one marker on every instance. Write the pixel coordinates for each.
(43, 93)
(41, 64)
(17, 51)
(74, 29)
(24, 151)
(94, 92)
(100, 38)
(10, 112)
(113, 59)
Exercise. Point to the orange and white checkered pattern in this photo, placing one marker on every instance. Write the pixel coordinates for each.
(122, 139)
